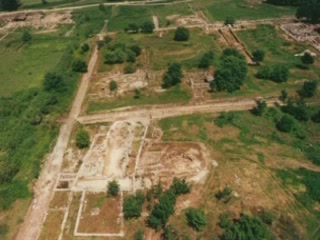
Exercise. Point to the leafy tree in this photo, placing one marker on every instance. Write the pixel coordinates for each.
(26, 36)
(278, 73)
(82, 139)
(286, 124)
(180, 186)
(258, 55)
(316, 117)
(113, 85)
(107, 39)
(181, 34)
(85, 47)
(102, 8)
(307, 59)
(170, 233)
(283, 96)
(139, 235)
(309, 89)
(136, 49)
(224, 119)
(53, 82)
(147, 27)
(9, 5)
(226, 192)
(260, 108)
(132, 205)
(298, 110)
(131, 56)
(173, 75)
(229, 21)
(113, 188)
(309, 11)
(196, 218)
(132, 28)
(206, 60)
(137, 93)
(115, 56)
(79, 66)
(129, 68)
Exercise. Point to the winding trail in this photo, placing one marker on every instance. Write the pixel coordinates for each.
(43, 190)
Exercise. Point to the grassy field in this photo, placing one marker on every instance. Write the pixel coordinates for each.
(220, 9)
(24, 64)
(253, 150)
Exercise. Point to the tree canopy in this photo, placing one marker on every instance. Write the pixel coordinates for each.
(181, 34)
(53, 82)
(113, 188)
(82, 139)
(196, 218)
(9, 5)
(132, 205)
(173, 75)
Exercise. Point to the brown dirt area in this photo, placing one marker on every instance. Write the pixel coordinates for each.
(51, 228)
(59, 200)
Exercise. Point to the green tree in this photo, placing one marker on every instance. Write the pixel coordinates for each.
(180, 186)
(131, 56)
(309, 11)
(316, 117)
(82, 139)
(115, 56)
(206, 60)
(132, 28)
(136, 49)
(132, 205)
(229, 21)
(9, 5)
(285, 124)
(147, 27)
(260, 108)
(226, 192)
(170, 233)
(85, 47)
(258, 55)
(173, 75)
(79, 66)
(283, 96)
(113, 188)
(280, 73)
(26, 36)
(139, 235)
(113, 85)
(307, 59)
(53, 82)
(129, 68)
(196, 218)
(309, 89)
(181, 34)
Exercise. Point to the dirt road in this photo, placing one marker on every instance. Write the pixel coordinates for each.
(31, 227)
(164, 111)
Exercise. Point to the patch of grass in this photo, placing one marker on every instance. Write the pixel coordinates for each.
(220, 9)
(174, 95)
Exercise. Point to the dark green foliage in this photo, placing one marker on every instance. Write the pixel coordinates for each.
(206, 60)
(82, 139)
(232, 71)
(132, 28)
(226, 192)
(260, 108)
(136, 49)
(9, 5)
(224, 119)
(119, 53)
(116, 56)
(298, 110)
(173, 75)
(248, 228)
(113, 188)
(224, 221)
(284, 95)
(26, 37)
(312, 153)
(278, 73)
(307, 58)
(8, 169)
(107, 39)
(180, 186)
(85, 47)
(132, 205)
(113, 85)
(9, 192)
(79, 66)
(4, 229)
(309, 89)
(139, 235)
(266, 216)
(147, 27)
(137, 93)
(102, 7)
(309, 11)
(316, 117)
(158, 190)
(53, 82)
(170, 233)
(258, 55)
(286, 124)
(196, 218)
(129, 68)
(131, 56)
(229, 21)
(181, 34)
(163, 210)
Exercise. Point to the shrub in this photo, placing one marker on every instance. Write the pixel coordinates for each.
(286, 124)
(113, 188)
(309, 89)
(181, 34)
(258, 55)
(139, 235)
(129, 68)
(131, 56)
(137, 93)
(224, 193)
(196, 218)
(82, 139)
(180, 186)
(132, 205)
(107, 39)
(53, 82)
(79, 66)
(278, 73)
(283, 96)
(113, 85)
(170, 233)
(147, 27)
(316, 117)
(224, 119)
(173, 75)
(136, 49)
(26, 36)
(307, 59)
(260, 108)
(229, 21)
(206, 60)
(85, 47)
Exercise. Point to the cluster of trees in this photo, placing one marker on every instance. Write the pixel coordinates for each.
(181, 34)
(9, 5)
(120, 53)
(249, 228)
(173, 76)
(231, 73)
(277, 73)
(145, 27)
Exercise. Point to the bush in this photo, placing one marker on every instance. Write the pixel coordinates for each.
(53, 82)
(137, 93)
(107, 39)
(139, 235)
(173, 75)
(113, 85)
(284, 95)
(258, 55)
(85, 47)
(196, 218)
(226, 192)
(316, 117)
(131, 56)
(113, 188)
(307, 59)
(260, 108)
(116, 56)
(147, 27)
(82, 139)
(129, 68)
(79, 66)
(229, 21)
(170, 233)
(224, 119)
(180, 186)
(181, 34)
(136, 49)
(132, 206)
(309, 89)
(276, 73)
(206, 60)
(298, 110)
(26, 37)
(286, 124)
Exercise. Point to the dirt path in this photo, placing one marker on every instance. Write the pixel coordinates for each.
(164, 111)
(43, 190)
